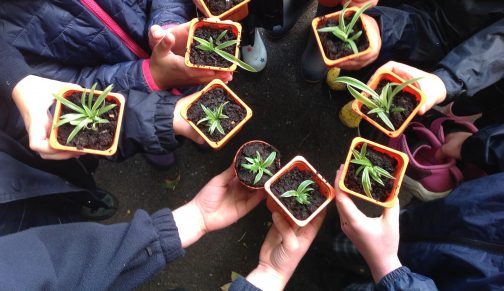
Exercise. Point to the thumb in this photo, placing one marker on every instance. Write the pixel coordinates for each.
(440, 155)
(166, 43)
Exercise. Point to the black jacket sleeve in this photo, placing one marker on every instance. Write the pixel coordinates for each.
(13, 68)
(485, 148)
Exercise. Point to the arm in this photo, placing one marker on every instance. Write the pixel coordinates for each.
(485, 148)
(171, 12)
(475, 64)
(12, 59)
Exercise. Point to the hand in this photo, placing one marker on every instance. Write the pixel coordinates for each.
(169, 70)
(182, 127)
(222, 202)
(360, 3)
(452, 146)
(281, 252)
(432, 86)
(377, 239)
(374, 42)
(33, 96)
(180, 32)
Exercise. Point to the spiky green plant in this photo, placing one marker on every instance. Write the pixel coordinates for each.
(213, 118)
(368, 171)
(258, 166)
(302, 193)
(87, 113)
(345, 32)
(379, 104)
(217, 47)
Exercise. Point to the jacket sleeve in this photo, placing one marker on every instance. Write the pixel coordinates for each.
(475, 64)
(89, 256)
(403, 279)
(485, 148)
(241, 284)
(148, 124)
(170, 12)
(13, 68)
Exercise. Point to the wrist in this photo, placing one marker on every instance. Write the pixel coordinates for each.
(267, 278)
(152, 74)
(381, 268)
(190, 223)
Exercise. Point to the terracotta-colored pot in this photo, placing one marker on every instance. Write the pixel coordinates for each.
(236, 13)
(234, 27)
(402, 163)
(277, 161)
(275, 205)
(112, 97)
(319, 21)
(216, 84)
(383, 74)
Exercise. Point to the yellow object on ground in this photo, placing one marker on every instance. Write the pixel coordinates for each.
(348, 117)
(332, 74)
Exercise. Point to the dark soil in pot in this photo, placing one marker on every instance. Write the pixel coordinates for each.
(290, 181)
(212, 99)
(204, 58)
(335, 48)
(100, 139)
(402, 99)
(217, 7)
(379, 192)
(250, 150)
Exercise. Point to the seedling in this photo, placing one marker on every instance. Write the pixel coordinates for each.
(258, 166)
(213, 118)
(344, 31)
(368, 171)
(378, 104)
(301, 194)
(88, 112)
(217, 47)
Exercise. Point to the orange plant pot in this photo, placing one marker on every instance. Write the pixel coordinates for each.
(319, 21)
(275, 205)
(277, 161)
(236, 13)
(112, 97)
(402, 163)
(373, 84)
(216, 84)
(235, 27)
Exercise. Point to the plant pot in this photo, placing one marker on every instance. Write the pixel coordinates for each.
(216, 84)
(373, 84)
(112, 97)
(196, 24)
(236, 13)
(400, 168)
(320, 21)
(249, 149)
(274, 203)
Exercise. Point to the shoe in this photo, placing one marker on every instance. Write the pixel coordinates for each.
(103, 208)
(291, 11)
(426, 178)
(161, 162)
(255, 55)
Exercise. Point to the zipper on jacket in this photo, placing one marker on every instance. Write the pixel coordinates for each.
(115, 28)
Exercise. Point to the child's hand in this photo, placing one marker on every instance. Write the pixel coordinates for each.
(377, 239)
(432, 86)
(169, 70)
(360, 3)
(33, 96)
(281, 252)
(453, 145)
(374, 42)
(182, 127)
(180, 32)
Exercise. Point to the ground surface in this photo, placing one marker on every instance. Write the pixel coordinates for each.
(297, 118)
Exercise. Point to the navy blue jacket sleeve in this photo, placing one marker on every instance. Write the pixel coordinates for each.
(170, 12)
(485, 148)
(148, 123)
(89, 256)
(241, 284)
(13, 68)
(403, 279)
(475, 64)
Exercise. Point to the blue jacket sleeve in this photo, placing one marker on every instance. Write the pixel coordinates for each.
(241, 284)
(170, 12)
(403, 279)
(89, 256)
(485, 148)
(475, 64)
(12, 59)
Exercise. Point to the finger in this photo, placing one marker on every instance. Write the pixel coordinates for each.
(391, 215)
(156, 33)
(440, 155)
(288, 234)
(223, 178)
(347, 210)
(165, 44)
(60, 156)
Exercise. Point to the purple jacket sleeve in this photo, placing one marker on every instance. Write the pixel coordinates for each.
(89, 256)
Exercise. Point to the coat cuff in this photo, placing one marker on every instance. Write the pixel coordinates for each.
(148, 76)
(163, 122)
(168, 234)
(454, 86)
(17, 70)
(241, 284)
